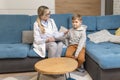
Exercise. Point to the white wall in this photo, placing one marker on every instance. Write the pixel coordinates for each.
(116, 7)
(102, 7)
(24, 6)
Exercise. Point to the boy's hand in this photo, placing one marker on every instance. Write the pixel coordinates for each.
(66, 32)
(74, 57)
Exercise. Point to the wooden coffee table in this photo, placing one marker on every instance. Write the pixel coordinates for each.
(56, 66)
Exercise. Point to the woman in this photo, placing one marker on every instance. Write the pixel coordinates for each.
(46, 34)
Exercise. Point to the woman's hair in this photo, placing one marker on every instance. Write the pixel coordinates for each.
(76, 16)
(41, 11)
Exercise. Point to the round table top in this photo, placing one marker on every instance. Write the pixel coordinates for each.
(60, 65)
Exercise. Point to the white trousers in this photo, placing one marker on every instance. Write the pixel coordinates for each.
(54, 49)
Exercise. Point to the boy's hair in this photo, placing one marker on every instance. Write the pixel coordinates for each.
(41, 11)
(76, 16)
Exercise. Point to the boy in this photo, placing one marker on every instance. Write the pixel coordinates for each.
(76, 38)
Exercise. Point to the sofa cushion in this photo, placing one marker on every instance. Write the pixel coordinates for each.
(62, 20)
(13, 50)
(117, 32)
(11, 27)
(27, 36)
(106, 54)
(33, 19)
(90, 21)
(32, 52)
(63, 29)
(108, 22)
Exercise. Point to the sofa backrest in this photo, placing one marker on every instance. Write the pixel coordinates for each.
(60, 20)
(97, 23)
(11, 27)
(90, 21)
(110, 22)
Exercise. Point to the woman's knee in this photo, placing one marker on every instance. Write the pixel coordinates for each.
(53, 44)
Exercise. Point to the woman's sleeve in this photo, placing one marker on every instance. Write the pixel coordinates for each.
(55, 29)
(37, 36)
(56, 34)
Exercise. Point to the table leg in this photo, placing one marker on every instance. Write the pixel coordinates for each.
(38, 76)
(65, 76)
(69, 74)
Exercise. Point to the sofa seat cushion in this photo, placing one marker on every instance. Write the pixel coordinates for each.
(13, 50)
(33, 54)
(106, 54)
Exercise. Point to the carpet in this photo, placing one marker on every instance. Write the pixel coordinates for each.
(75, 76)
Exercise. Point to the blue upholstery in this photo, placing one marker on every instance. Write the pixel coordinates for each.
(11, 27)
(33, 19)
(14, 50)
(90, 21)
(62, 20)
(108, 22)
(106, 54)
(33, 54)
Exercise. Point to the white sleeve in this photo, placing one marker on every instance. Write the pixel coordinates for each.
(37, 36)
(56, 34)
(55, 29)
(81, 43)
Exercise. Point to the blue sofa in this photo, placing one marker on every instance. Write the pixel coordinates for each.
(16, 56)
(102, 59)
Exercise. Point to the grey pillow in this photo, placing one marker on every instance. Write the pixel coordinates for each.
(27, 36)
(100, 36)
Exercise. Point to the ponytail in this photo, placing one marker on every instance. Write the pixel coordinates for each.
(40, 25)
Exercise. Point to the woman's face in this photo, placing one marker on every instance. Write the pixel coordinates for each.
(46, 15)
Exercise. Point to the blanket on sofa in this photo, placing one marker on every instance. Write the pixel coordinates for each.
(103, 36)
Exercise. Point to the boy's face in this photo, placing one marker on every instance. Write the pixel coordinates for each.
(76, 23)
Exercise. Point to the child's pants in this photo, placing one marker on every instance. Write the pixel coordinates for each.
(70, 53)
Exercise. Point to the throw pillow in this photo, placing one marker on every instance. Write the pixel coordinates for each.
(100, 36)
(117, 32)
(27, 36)
(63, 29)
(115, 39)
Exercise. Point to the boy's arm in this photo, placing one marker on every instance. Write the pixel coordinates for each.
(81, 43)
(65, 38)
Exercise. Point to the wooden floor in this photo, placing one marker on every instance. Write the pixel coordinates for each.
(33, 76)
(18, 74)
